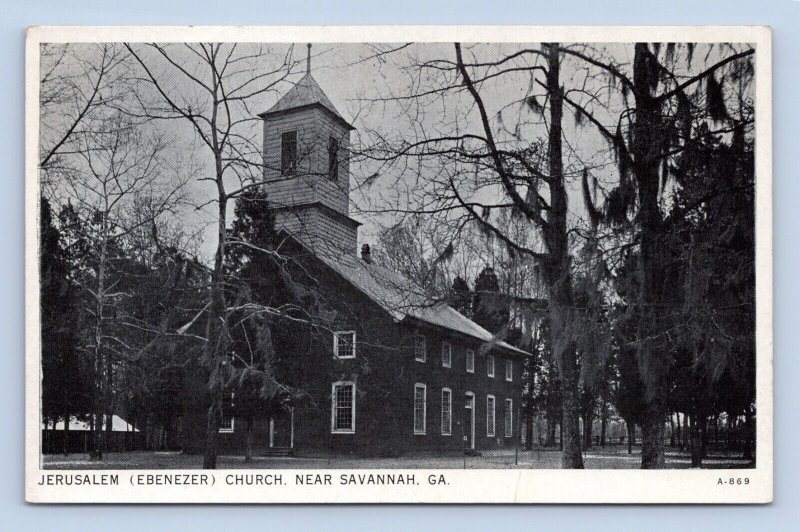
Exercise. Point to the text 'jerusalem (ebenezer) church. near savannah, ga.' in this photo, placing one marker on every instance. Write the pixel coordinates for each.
(401, 372)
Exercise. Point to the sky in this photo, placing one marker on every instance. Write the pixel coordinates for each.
(369, 85)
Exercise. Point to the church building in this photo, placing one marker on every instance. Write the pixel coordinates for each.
(399, 371)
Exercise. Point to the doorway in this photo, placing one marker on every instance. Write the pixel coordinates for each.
(469, 421)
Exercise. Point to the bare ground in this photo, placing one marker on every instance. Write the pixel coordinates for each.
(609, 457)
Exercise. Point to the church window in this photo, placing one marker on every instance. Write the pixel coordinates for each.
(447, 355)
(289, 153)
(333, 159)
(490, 415)
(343, 407)
(344, 344)
(509, 418)
(420, 354)
(420, 407)
(470, 359)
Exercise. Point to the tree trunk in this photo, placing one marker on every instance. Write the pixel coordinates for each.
(248, 443)
(528, 430)
(212, 430)
(680, 432)
(99, 358)
(750, 435)
(551, 433)
(695, 444)
(671, 430)
(109, 403)
(703, 437)
(66, 431)
(216, 354)
(603, 423)
(557, 272)
(631, 435)
(588, 421)
(648, 137)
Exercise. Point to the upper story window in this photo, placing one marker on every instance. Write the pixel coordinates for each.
(419, 348)
(470, 360)
(447, 355)
(333, 159)
(509, 370)
(490, 366)
(344, 344)
(289, 153)
(420, 408)
(343, 407)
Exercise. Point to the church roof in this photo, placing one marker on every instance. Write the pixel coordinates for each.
(402, 298)
(305, 93)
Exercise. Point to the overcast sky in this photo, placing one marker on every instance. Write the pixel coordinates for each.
(364, 84)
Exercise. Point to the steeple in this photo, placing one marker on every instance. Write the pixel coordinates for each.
(306, 168)
(306, 93)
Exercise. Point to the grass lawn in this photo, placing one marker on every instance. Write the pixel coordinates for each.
(609, 457)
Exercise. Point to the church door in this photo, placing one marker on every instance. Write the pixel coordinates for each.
(469, 421)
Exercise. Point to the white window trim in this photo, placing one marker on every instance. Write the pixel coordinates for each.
(469, 356)
(424, 388)
(509, 427)
(490, 367)
(473, 407)
(490, 431)
(424, 357)
(449, 431)
(336, 344)
(228, 430)
(509, 370)
(352, 429)
(449, 355)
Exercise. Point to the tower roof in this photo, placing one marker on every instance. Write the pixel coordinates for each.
(305, 93)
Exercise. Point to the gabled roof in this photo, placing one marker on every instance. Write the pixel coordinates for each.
(305, 93)
(403, 299)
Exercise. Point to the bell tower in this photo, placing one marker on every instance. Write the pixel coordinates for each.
(306, 167)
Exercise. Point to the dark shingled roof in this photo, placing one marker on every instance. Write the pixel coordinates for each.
(402, 298)
(306, 92)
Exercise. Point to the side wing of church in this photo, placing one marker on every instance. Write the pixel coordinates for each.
(398, 372)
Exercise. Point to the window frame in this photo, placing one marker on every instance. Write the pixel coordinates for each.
(424, 357)
(490, 367)
(333, 158)
(336, 345)
(334, 408)
(469, 362)
(449, 403)
(449, 355)
(509, 370)
(508, 418)
(491, 433)
(424, 388)
(288, 170)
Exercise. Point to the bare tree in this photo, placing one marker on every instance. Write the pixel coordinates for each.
(74, 83)
(214, 88)
(485, 167)
(115, 166)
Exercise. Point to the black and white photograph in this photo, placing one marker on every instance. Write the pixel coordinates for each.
(397, 256)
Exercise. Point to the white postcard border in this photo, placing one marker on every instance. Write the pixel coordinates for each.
(463, 486)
